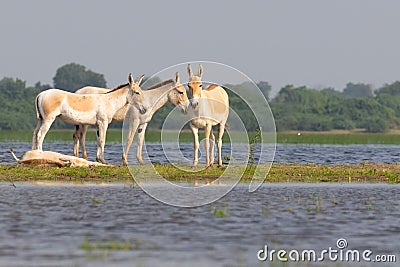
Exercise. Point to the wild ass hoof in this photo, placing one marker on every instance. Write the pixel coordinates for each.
(101, 160)
(210, 165)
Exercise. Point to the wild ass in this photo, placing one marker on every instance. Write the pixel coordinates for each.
(98, 109)
(46, 158)
(79, 135)
(211, 107)
(156, 97)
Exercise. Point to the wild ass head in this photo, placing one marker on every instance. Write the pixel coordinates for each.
(178, 95)
(135, 94)
(195, 85)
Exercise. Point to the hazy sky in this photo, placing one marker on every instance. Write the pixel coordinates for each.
(314, 43)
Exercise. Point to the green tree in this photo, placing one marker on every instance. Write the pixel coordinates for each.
(265, 88)
(17, 109)
(358, 90)
(73, 76)
(390, 89)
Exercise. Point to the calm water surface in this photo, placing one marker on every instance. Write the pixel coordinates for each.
(289, 153)
(45, 225)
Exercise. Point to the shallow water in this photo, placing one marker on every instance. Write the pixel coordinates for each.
(45, 225)
(285, 153)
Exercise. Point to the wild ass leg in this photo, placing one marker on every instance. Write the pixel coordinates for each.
(41, 133)
(207, 131)
(141, 134)
(101, 140)
(35, 134)
(212, 155)
(221, 128)
(76, 138)
(131, 134)
(195, 132)
(82, 140)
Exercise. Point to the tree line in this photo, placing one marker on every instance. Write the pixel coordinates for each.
(294, 108)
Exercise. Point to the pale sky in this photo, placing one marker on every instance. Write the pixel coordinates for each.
(315, 42)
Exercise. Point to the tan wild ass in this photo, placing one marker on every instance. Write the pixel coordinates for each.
(156, 97)
(97, 109)
(211, 107)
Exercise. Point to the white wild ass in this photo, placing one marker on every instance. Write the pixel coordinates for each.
(211, 107)
(156, 97)
(98, 109)
(45, 158)
(79, 135)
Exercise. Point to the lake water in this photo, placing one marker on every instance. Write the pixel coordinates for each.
(44, 225)
(285, 153)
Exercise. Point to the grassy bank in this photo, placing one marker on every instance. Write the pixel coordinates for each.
(330, 137)
(369, 172)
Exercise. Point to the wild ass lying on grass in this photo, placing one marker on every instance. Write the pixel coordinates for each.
(211, 107)
(41, 158)
(155, 97)
(98, 109)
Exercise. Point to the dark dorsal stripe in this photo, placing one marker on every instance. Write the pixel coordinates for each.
(160, 84)
(118, 87)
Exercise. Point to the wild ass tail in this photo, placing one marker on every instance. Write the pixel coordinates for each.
(12, 153)
(38, 115)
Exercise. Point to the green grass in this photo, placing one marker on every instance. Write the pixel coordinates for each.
(352, 173)
(292, 137)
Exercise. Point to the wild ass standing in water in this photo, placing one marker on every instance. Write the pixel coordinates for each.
(156, 97)
(98, 109)
(211, 107)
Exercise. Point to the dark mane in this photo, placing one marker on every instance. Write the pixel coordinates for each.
(160, 84)
(118, 87)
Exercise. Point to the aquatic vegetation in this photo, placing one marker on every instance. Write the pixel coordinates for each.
(219, 212)
(96, 201)
(252, 146)
(107, 245)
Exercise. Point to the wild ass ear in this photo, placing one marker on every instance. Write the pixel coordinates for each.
(189, 69)
(140, 79)
(130, 79)
(200, 71)
(176, 78)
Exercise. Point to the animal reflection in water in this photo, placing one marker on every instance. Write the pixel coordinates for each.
(50, 158)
